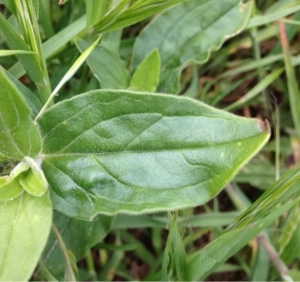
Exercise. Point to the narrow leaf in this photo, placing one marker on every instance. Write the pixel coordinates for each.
(30, 62)
(280, 191)
(202, 263)
(271, 17)
(55, 43)
(25, 226)
(121, 151)
(18, 135)
(189, 32)
(146, 77)
(4, 53)
(124, 15)
(256, 90)
(77, 64)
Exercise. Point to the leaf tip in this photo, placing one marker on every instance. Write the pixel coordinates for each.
(264, 125)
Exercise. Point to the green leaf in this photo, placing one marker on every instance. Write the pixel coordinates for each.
(146, 77)
(189, 32)
(78, 236)
(107, 66)
(18, 135)
(25, 224)
(121, 151)
(9, 188)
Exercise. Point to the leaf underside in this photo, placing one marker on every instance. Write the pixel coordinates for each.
(113, 151)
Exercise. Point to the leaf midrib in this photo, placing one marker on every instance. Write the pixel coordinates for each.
(212, 146)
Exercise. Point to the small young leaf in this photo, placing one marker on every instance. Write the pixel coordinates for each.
(18, 169)
(34, 182)
(31, 178)
(9, 188)
(18, 135)
(25, 225)
(121, 151)
(146, 77)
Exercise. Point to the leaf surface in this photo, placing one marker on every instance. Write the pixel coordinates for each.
(25, 225)
(112, 151)
(189, 32)
(18, 135)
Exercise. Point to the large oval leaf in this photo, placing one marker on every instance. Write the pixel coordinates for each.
(189, 32)
(113, 151)
(18, 135)
(25, 225)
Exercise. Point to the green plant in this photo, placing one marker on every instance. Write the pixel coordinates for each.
(119, 147)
